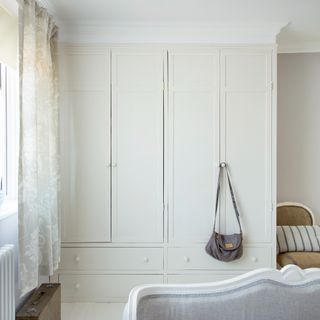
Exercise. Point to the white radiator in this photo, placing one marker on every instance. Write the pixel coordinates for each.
(7, 283)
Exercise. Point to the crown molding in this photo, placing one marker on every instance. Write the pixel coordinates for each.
(299, 47)
(101, 32)
(107, 32)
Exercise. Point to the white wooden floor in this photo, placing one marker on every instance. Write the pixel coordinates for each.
(92, 311)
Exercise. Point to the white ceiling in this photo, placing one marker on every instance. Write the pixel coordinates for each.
(303, 16)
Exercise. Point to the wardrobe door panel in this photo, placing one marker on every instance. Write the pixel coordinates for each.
(246, 71)
(85, 147)
(246, 136)
(194, 70)
(85, 69)
(137, 150)
(193, 143)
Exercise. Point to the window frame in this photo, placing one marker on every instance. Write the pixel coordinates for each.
(9, 139)
(3, 131)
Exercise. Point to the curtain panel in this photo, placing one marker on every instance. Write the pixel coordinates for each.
(38, 195)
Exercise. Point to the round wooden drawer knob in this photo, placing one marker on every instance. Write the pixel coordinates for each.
(77, 286)
(254, 259)
(145, 259)
(77, 259)
(186, 259)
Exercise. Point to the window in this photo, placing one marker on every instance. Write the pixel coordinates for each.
(8, 137)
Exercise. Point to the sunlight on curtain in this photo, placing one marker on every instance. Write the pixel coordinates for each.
(39, 237)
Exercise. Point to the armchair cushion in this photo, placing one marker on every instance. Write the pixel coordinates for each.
(298, 239)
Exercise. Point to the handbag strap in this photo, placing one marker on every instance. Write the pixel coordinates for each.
(236, 210)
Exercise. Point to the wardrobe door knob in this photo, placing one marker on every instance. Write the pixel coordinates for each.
(254, 259)
(77, 286)
(114, 165)
(145, 259)
(186, 259)
(77, 259)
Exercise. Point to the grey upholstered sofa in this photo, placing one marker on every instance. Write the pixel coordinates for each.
(289, 294)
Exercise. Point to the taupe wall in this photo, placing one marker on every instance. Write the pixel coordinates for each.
(299, 129)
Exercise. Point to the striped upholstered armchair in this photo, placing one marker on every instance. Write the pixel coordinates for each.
(296, 214)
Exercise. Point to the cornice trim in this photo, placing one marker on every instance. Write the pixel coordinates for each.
(93, 32)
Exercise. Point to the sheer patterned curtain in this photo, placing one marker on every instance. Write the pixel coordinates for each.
(39, 237)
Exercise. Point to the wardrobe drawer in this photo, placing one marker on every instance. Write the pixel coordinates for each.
(198, 278)
(198, 259)
(112, 259)
(102, 288)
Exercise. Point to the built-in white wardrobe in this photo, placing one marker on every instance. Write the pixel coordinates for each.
(144, 129)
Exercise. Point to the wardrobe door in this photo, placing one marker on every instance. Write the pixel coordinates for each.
(193, 143)
(246, 115)
(85, 99)
(137, 145)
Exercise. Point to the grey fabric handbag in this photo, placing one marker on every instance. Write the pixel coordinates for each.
(221, 246)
